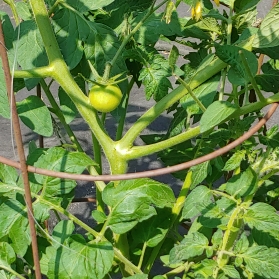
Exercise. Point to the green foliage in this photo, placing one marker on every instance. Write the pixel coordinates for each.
(204, 76)
(34, 114)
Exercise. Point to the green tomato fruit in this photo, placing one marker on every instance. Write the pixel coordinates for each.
(105, 98)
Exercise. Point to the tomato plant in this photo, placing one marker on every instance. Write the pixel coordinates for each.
(217, 72)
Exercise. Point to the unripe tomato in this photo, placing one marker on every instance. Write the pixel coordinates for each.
(105, 98)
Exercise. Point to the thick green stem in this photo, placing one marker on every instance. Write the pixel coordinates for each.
(213, 68)
(40, 72)
(63, 76)
(233, 228)
(139, 151)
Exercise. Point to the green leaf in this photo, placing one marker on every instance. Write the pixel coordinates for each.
(263, 217)
(230, 54)
(14, 224)
(98, 42)
(8, 32)
(173, 56)
(153, 230)
(74, 30)
(196, 201)
(24, 10)
(177, 124)
(242, 184)
(7, 254)
(204, 269)
(154, 78)
(231, 272)
(91, 260)
(200, 172)
(243, 6)
(67, 106)
(205, 93)
(269, 79)
(262, 261)
(272, 52)
(55, 189)
(217, 214)
(4, 102)
(217, 238)
(99, 216)
(30, 38)
(268, 33)
(192, 245)
(265, 238)
(235, 160)
(8, 174)
(271, 138)
(62, 231)
(215, 114)
(209, 24)
(35, 115)
(133, 201)
(245, 20)
(87, 5)
(154, 26)
(242, 244)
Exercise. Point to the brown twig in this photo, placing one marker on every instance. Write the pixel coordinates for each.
(150, 173)
(22, 164)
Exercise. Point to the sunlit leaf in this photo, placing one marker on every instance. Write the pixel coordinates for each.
(196, 201)
(262, 261)
(133, 201)
(91, 260)
(215, 114)
(268, 34)
(192, 245)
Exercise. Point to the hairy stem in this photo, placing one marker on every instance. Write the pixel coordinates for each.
(233, 228)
